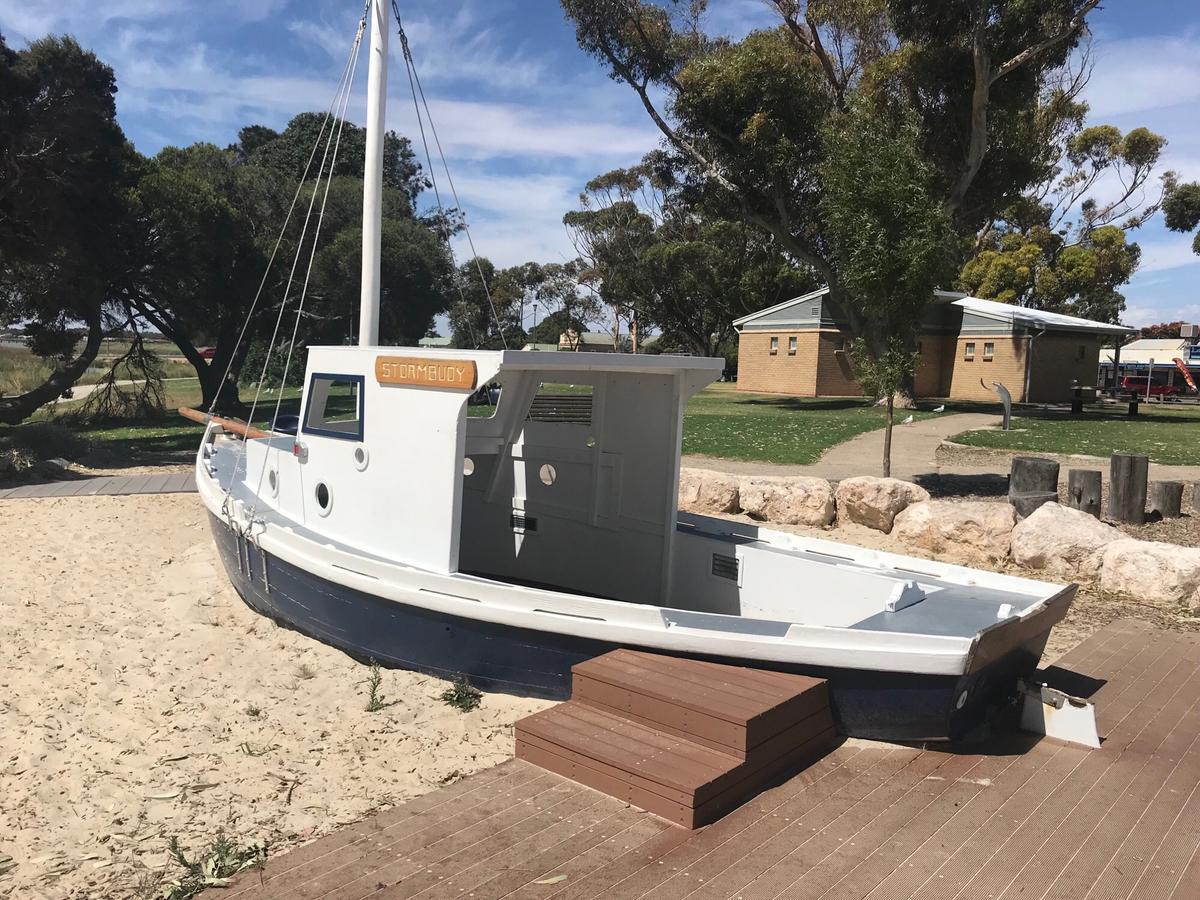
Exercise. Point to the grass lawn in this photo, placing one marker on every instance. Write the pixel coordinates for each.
(1167, 433)
(719, 421)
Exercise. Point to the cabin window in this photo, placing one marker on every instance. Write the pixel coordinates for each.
(989, 351)
(774, 345)
(792, 346)
(334, 407)
(814, 310)
(969, 351)
(1082, 352)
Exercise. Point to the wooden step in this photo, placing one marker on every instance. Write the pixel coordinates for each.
(728, 708)
(684, 739)
(680, 780)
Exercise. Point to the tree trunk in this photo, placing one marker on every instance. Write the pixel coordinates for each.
(1127, 487)
(1166, 499)
(887, 437)
(1033, 481)
(14, 410)
(216, 396)
(1084, 487)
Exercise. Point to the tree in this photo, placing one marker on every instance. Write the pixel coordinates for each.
(1181, 207)
(744, 115)
(889, 235)
(658, 254)
(209, 221)
(1163, 330)
(66, 170)
(288, 152)
(1059, 249)
(487, 314)
(550, 330)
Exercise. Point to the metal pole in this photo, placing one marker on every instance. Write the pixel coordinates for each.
(368, 312)
(1149, 378)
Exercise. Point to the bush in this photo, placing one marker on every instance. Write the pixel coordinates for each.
(24, 446)
(252, 366)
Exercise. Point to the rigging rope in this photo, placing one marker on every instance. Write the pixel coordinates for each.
(414, 81)
(336, 113)
(287, 219)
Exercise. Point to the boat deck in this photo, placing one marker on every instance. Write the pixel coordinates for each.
(1030, 818)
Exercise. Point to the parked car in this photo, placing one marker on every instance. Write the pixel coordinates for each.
(1158, 386)
(207, 352)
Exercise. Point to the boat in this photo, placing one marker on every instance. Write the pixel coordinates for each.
(505, 543)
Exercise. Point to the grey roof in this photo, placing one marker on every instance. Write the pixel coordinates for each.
(989, 309)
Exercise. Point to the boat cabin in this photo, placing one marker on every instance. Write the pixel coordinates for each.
(574, 467)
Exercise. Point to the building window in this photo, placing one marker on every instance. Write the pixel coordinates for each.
(814, 310)
(969, 351)
(989, 351)
(774, 345)
(792, 346)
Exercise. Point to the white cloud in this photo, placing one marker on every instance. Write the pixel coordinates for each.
(1144, 73)
(1140, 315)
(1172, 253)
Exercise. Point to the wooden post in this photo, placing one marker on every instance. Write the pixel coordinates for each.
(1033, 481)
(1166, 499)
(1083, 490)
(1127, 474)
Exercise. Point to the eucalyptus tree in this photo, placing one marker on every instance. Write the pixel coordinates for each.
(748, 116)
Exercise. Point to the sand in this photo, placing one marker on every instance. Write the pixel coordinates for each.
(141, 699)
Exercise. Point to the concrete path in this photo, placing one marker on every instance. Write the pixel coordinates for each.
(107, 485)
(914, 451)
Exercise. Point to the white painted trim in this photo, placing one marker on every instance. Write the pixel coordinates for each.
(778, 306)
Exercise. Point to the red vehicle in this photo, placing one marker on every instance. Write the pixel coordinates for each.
(1158, 386)
(207, 352)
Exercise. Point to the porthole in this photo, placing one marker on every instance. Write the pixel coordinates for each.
(547, 474)
(468, 466)
(962, 700)
(273, 482)
(591, 442)
(324, 498)
(361, 457)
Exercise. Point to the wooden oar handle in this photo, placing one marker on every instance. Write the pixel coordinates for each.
(233, 426)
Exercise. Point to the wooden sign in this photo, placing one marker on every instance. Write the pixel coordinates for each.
(424, 371)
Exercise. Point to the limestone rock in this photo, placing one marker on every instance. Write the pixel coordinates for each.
(702, 491)
(874, 502)
(1150, 570)
(1062, 541)
(972, 531)
(788, 501)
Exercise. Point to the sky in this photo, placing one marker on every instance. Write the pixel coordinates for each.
(526, 118)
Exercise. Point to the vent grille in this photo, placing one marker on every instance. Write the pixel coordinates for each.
(522, 522)
(725, 566)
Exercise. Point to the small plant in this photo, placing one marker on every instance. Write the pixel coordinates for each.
(213, 868)
(254, 712)
(375, 701)
(462, 696)
(305, 672)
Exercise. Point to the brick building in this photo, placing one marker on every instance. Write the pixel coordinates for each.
(965, 343)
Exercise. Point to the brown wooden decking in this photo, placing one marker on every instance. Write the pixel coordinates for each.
(684, 739)
(106, 486)
(1028, 818)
